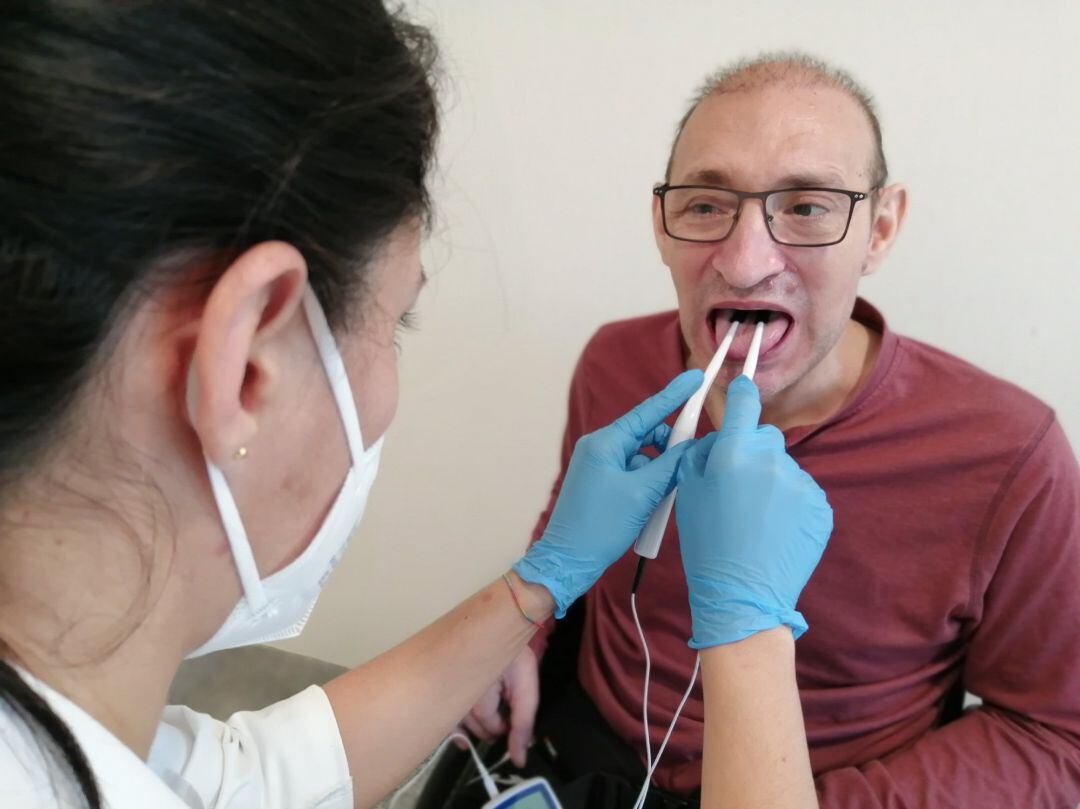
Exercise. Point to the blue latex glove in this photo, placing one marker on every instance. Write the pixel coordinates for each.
(752, 526)
(607, 496)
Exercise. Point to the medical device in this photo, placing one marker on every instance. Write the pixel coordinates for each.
(535, 793)
(648, 543)
(531, 793)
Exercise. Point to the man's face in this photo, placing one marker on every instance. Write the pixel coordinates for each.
(770, 138)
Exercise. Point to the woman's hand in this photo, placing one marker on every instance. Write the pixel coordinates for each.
(752, 526)
(607, 496)
(519, 689)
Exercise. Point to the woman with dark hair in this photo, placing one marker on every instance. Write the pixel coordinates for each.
(210, 217)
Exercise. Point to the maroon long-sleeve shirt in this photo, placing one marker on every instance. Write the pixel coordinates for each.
(955, 558)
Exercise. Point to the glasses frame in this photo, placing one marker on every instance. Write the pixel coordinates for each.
(855, 197)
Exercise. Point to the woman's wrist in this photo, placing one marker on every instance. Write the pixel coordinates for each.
(534, 600)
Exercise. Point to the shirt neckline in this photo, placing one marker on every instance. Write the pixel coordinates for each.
(124, 779)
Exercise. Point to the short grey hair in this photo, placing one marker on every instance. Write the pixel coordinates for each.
(793, 68)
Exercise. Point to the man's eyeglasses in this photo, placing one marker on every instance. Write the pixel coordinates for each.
(799, 217)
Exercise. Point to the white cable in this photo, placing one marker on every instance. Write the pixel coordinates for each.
(651, 763)
(485, 776)
(749, 369)
(648, 674)
(640, 802)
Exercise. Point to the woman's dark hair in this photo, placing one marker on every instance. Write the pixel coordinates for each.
(142, 140)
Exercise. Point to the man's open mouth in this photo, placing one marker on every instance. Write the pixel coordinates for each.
(778, 324)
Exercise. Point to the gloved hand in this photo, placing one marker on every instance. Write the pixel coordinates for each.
(607, 496)
(752, 526)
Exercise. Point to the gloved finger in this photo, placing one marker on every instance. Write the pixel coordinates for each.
(633, 428)
(742, 410)
(638, 461)
(760, 445)
(697, 456)
(658, 437)
(658, 477)
(814, 493)
(769, 437)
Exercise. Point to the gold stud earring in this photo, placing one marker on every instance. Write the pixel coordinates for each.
(240, 453)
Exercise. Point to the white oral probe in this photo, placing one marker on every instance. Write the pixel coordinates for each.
(648, 543)
(750, 365)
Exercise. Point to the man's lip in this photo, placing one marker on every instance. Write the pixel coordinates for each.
(743, 305)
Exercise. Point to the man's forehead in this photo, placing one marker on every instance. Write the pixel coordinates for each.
(776, 136)
(810, 173)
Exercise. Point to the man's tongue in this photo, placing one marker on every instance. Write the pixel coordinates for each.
(740, 347)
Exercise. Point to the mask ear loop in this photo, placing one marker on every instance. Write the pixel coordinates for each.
(238, 541)
(335, 372)
(230, 519)
(239, 544)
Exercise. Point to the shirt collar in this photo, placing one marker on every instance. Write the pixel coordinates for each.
(869, 316)
(125, 781)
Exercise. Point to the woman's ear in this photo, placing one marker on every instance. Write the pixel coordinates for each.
(249, 304)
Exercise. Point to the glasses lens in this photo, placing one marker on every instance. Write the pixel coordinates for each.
(808, 216)
(699, 214)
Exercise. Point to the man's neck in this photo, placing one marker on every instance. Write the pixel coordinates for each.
(823, 392)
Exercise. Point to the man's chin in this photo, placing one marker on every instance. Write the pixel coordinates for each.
(772, 382)
(771, 387)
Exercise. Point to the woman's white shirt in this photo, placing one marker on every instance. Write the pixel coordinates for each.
(287, 755)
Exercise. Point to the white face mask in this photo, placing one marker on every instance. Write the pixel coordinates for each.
(277, 607)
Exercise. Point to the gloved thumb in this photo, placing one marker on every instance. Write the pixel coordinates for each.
(742, 410)
(659, 474)
(697, 456)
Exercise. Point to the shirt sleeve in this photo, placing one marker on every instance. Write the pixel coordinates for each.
(287, 756)
(576, 427)
(1022, 746)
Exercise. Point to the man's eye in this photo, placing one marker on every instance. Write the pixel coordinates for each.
(807, 209)
(704, 209)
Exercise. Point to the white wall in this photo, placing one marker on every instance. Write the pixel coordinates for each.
(558, 120)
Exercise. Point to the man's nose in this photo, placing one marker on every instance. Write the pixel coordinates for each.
(748, 256)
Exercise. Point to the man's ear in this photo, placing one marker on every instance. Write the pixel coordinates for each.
(250, 302)
(889, 213)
